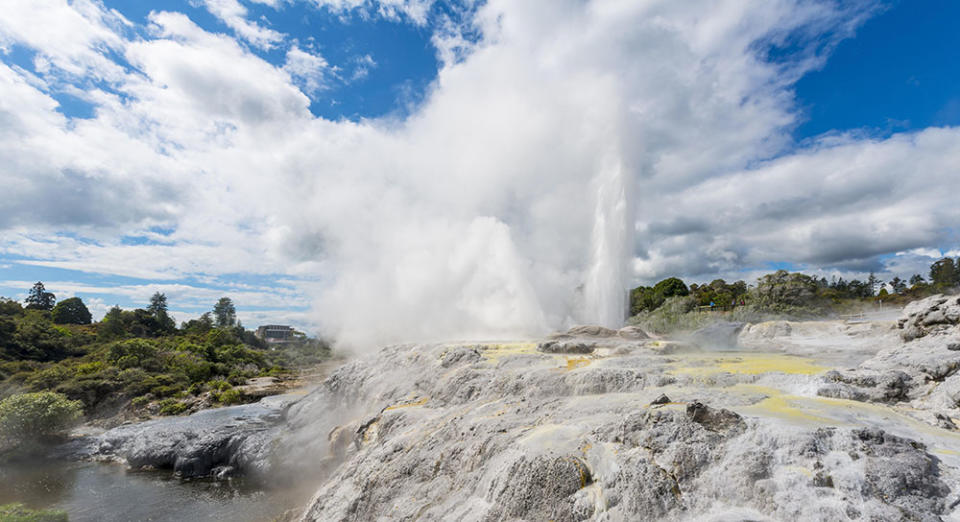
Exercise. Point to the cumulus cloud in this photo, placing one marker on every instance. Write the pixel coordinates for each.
(841, 203)
(559, 138)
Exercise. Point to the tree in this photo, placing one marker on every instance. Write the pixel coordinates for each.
(872, 283)
(158, 304)
(646, 298)
(944, 273)
(224, 313)
(112, 323)
(26, 417)
(201, 325)
(10, 307)
(158, 308)
(917, 279)
(899, 285)
(71, 311)
(670, 287)
(39, 298)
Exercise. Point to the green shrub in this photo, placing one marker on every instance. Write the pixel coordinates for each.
(49, 377)
(134, 353)
(27, 416)
(172, 407)
(219, 385)
(141, 400)
(230, 396)
(17, 512)
(191, 366)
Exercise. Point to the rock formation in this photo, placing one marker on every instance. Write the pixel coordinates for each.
(597, 424)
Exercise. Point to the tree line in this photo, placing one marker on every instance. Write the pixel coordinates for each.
(783, 288)
(152, 320)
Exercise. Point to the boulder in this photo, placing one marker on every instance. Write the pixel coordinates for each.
(938, 314)
(571, 347)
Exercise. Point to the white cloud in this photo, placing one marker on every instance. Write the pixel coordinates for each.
(70, 36)
(840, 203)
(415, 11)
(310, 71)
(477, 214)
(362, 66)
(234, 15)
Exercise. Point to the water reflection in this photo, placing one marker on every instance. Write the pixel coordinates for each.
(108, 492)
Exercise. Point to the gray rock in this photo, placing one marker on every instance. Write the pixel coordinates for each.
(865, 385)
(662, 399)
(633, 333)
(575, 347)
(937, 314)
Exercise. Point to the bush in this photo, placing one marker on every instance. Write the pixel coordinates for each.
(141, 400)
(230, 396)
(172, 407)
(135, 353)
(28, 416)
(19, 513)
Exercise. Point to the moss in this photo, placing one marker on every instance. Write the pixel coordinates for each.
(17, 512)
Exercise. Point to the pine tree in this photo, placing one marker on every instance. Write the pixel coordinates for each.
(225, 313)
(40, 299)
(158, 305)
(158, 309)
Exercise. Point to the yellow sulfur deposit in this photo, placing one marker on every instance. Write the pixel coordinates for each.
(747, 363)
(577, 362)
(495, 352)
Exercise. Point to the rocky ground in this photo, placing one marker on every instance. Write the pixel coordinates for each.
(775, 421)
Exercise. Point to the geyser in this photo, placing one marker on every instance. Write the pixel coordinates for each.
(608, 276)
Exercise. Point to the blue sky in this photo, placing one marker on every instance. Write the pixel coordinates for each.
(325, 160)
(897, 74)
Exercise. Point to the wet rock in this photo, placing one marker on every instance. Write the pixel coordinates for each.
(902, 473)
(203, 444)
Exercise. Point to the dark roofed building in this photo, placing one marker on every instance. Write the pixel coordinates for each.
(275, 333)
